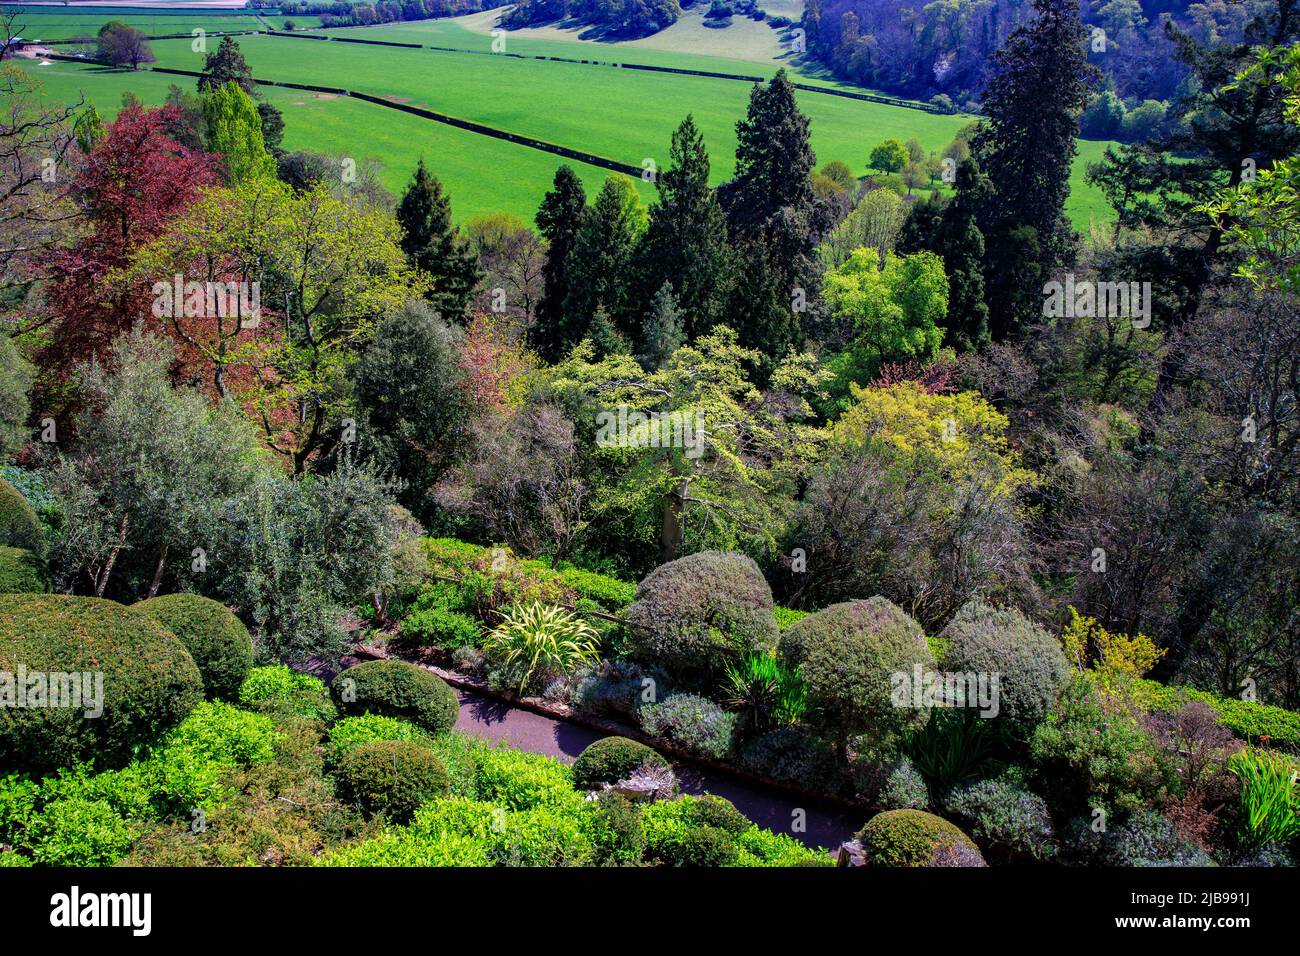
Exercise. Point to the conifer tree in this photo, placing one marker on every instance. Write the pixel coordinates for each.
(434, 245)
(558, 219)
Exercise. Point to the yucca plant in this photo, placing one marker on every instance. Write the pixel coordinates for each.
(765, 692)
(538, 639)
(1270, 797)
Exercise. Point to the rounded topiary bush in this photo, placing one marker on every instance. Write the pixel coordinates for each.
(1031, 667)
(19, 526)
(397, 689)
(850, 656)
(612, 759)
(712, 811)
(700, 846)
(216, 639)
(22, 572)
(695, 615)
(915, 838)
(392, 777)
(150, 681)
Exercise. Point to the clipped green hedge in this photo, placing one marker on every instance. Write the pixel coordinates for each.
(612, 759)
(19, 526)
(22, 572)
(442, 627)
(215, 638)
(150, 680)
(397, 689)
(1274, 726)
(911, 838)
(392, 778)
(610, 593)
(277, 689)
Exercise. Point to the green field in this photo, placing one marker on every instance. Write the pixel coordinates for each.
(60, 24)
(343, 126)
(672, 48)
(625, 115)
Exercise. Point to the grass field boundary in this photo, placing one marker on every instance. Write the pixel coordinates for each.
(171, 36)
(646, 67)
(589, 159)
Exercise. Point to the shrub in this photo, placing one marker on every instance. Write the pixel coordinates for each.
(786, 616)
(695, 615)
(78, 833)
(19, 526)
(910, 838)
(616, 829)
(615, 687)
(553, 835)
(351, 732)
(150, 681)
(214, 740)
(21, 572)
(711, 811)
(765, 692)
(215, 638)
(703, 846)
(391, 778)
(759, 847)
(1249, 720)
(451, 554)
(535, 642)
(441, 627)
(904, 788)
(610, 593)
(1144, 839)
(280, 690)
(1031, 668)
(612, 759)
(497, 579)
(520, 781)
(847, 654)
(397, 689)
(695, 723)
(1090, 752)
(792, 754)
(1270, 797)
(1003, 813)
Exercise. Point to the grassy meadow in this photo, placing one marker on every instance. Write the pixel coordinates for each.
(343, 126)
(626, 115)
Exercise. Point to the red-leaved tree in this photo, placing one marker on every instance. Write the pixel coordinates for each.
(127, 188)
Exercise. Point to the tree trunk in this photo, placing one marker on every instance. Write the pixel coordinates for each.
(673, 529)
(158, 572)
(112, 559)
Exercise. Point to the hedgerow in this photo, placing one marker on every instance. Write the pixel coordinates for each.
(150, 681)
(215, 638)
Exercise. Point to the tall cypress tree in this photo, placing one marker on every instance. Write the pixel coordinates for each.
(770, 210)
(598, 266)
(558, 219)
(1040, 85)
(686, 241)
(433, 245)
(961, 245)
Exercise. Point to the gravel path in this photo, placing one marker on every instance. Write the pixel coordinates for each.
(493, 720)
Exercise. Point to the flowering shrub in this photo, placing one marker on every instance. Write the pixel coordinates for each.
(695, 723)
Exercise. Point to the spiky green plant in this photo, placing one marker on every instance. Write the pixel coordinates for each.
(765, 691)
(1270, 796)
(537, 639)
